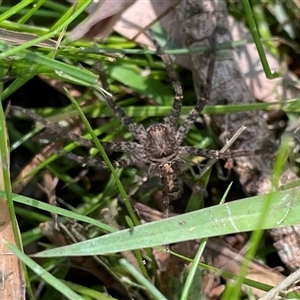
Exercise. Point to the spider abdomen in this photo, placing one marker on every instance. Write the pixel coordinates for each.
(172, 181)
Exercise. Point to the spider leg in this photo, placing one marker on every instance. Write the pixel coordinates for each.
(98, 164)
(137, 130)
(115, 147)
(192, 151)
(204, 95)
(173, 119)
(52, 126)
(131, 147)
(193, 186)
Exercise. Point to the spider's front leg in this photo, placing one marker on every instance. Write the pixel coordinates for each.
(124, 146)
(137, 130)
(127, 147)
(172, 120)
(202, 99)
(52, 126)
(99, 164)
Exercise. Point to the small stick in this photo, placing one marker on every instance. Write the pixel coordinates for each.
(212, 161)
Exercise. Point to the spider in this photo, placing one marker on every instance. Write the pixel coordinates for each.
(159, 145)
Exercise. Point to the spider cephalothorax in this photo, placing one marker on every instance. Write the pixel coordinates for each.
(161, 145)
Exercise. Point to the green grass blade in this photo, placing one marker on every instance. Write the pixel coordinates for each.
(142, 280)
(196, 260)
(43, 274)
(57, 210)
(13, 10)
(131, 76)
(261, 52)
(82, 5)
(238, 216)
(80, 75)
(226, 45)
(88, 292)
(256, 236)
(31, 12)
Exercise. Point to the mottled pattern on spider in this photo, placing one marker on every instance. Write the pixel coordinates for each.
(159, 145)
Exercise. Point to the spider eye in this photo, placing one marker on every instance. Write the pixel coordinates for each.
(156, 129)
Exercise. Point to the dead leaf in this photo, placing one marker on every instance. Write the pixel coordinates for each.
(102, 18)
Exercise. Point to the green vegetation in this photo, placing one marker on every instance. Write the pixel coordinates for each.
(28, 31)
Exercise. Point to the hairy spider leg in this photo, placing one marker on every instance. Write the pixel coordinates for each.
(124, 146)
(202, 100)
(99, 164)
(137, 130)
(115, 147)
(52, 126)
(172, 120)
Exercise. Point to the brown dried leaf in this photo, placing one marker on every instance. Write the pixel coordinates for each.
(102, 18)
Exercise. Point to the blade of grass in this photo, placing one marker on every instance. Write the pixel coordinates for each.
(43, 274)
(57, 210)
(196, 260)
(14, 86)
(292, 105)
(57, 7)
(142, 280)
(13, 10)
(226, 45)
(131, 76)
(238, 216)
(16, 37)
(81, 75)
(228, 275)
(31, 236)
(31, 12)
(89, 292)
(264, 30)
(254, 31)
(81, 6)
(256, 236)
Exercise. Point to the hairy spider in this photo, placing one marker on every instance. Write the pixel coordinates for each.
(159, 145)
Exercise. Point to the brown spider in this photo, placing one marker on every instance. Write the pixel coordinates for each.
(159, 145)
